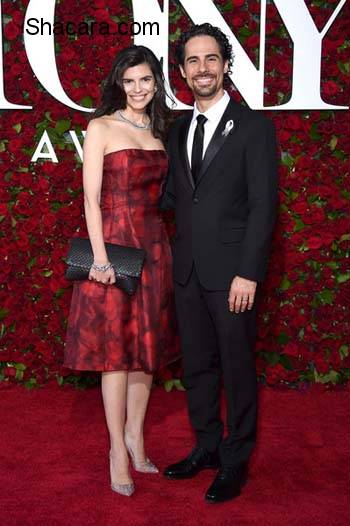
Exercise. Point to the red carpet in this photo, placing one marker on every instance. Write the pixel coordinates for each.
(54, 471)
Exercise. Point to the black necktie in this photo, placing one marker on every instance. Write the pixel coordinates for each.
(197, 148)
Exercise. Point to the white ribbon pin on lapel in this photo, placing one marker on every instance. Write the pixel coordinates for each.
(228, 128)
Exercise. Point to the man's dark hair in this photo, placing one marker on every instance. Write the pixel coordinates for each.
(206, 30)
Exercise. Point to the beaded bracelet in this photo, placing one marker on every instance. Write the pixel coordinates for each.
(102, 268)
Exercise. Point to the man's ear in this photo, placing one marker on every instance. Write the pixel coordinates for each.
(226, 66)
(182, 71)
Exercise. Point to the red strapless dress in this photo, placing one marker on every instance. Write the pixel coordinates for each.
(107, 329)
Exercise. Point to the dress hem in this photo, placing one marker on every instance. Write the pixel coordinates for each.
(120, 368)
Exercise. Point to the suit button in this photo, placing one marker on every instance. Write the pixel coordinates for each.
(195, 200)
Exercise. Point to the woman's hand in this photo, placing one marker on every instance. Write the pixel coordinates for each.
(106, 277)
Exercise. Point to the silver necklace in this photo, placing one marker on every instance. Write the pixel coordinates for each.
(135, 124)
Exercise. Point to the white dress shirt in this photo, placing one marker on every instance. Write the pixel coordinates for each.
(213, 115)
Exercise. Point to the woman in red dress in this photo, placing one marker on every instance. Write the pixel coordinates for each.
(127, 338)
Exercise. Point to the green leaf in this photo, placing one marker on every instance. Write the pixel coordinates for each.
(2, 330)
(344, 351)
(339, 155)
(29, 384)
(59, 293)
(315, 136)
(62, 125)
(346, 373)
(17, 127)
(244, 32)
(314, 265)
(3, 313)
(19, 375)
(344, 67)
(286, 362)
(20, 366)
(87, 102)
(272, 358)
(227, 7)
(332, 376)
(333, 265)
(287, 159)
(178, 385)
(175, 36)
(168, 385)
(345, 193)
(175, 15)
(31, 263)
(342, 278)
(299, 224)
(285, 283)
(333, 142)
(283, 338)
(319, 3)
(326, 297)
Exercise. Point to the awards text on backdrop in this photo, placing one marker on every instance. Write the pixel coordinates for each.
(248, 79)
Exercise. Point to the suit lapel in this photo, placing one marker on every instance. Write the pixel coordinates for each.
(217, 141)
(183, 133)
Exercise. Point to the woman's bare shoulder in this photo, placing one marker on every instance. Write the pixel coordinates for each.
(98, 123)
(105, 123)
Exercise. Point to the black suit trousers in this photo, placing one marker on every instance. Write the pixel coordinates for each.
(218, 344)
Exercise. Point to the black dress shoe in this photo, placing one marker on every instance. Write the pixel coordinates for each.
(196, 461)
(227, 484)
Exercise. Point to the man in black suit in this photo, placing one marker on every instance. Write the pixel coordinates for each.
(222, 184)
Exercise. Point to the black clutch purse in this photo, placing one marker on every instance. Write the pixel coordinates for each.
(127, 263)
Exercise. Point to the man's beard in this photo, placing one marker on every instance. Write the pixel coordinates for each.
(205, 91)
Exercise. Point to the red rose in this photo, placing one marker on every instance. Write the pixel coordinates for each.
(3, 209)
(330, 88)
(300, 207)
(9, 371)
(15, 145)
(314, 242)
(284, 67)
(292, 349)
(11, 31)
(23, 241)
(321, 365)
(253, 41)
(185, 96)
(275, 374)
(30, 224)
(293, 122)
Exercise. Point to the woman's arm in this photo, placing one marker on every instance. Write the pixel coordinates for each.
(94, 145)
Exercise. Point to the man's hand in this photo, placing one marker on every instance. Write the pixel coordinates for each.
(242, 293)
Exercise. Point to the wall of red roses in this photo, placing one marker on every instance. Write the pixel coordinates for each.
(304, 325)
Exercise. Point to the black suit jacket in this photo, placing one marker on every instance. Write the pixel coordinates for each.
(224, 223)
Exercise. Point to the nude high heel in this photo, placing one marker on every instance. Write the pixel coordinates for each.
(146, 466)
(123, 489)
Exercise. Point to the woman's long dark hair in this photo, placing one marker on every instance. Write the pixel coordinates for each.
(113, 96)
